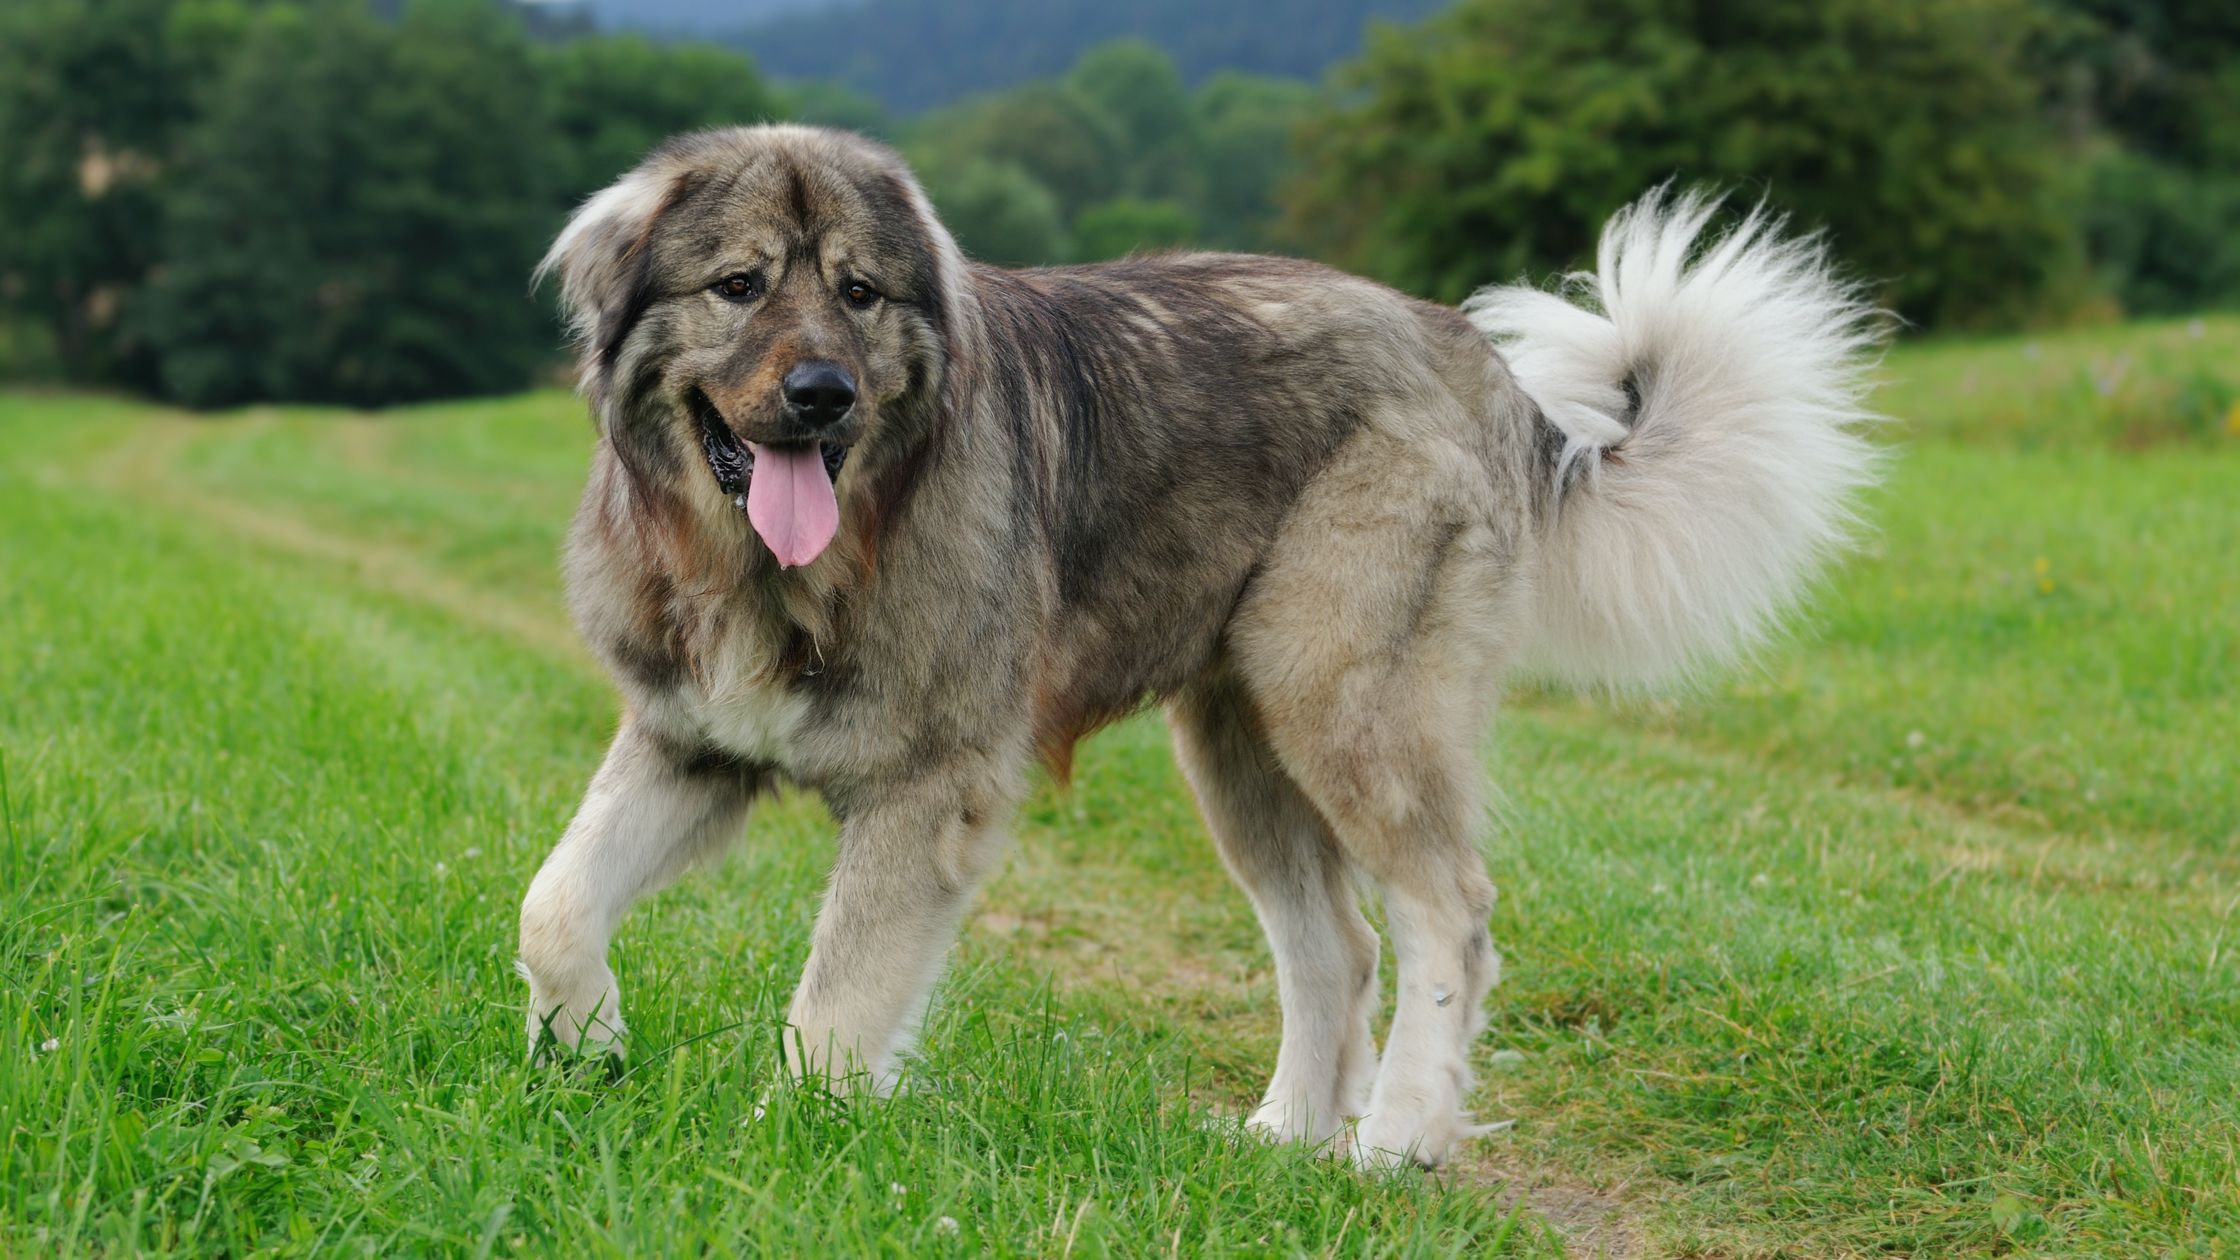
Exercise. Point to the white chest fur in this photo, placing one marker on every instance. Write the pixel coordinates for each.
(754, 720)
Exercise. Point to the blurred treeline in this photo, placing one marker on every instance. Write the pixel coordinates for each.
(221, 201)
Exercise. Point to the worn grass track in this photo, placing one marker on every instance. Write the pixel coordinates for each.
(1918, 938)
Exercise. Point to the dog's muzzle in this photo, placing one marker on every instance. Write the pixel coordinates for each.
(730, 460)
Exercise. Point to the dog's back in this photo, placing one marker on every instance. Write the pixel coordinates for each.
(1177, 406)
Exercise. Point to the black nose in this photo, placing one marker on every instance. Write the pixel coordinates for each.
(819, 393)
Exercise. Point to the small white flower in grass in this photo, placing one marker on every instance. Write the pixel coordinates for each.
(1915, 739)
(50, 1045)
(442, 870)
(1761, 880)
(947, 1227)
(473, 853)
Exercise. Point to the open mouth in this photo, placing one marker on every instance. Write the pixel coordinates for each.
(732, 461)
(790, 502)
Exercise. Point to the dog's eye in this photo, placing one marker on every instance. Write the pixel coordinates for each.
(739, 286)
(860, 295)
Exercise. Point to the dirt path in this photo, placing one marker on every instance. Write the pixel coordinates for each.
(151, 465)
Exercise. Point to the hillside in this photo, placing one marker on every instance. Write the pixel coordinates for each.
(910, 54)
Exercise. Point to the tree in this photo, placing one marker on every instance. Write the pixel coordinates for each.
(997, 211)
(2154, 86)
(1125, 226)
(613, 99)
(1137, 87)
(1064, 142)
(1245, 125)
(826, 104)
(1492, 141)
(93, 95)
(356, 213)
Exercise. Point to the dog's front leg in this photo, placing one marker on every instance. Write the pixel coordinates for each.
(650, 812)
(909, 863)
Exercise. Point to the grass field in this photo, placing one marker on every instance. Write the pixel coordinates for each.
(1918, 938)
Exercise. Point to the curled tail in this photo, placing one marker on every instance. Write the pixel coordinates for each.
(1708, 390)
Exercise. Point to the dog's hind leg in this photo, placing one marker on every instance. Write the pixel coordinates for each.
(910, 860)
(1404, 805)
(650, 813)
(1370, 642)
(1284, 857)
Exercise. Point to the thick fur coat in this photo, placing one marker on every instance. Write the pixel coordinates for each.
(875, 520)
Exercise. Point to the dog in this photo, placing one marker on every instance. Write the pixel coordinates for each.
(870, 518)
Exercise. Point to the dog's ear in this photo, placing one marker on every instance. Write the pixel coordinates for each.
(603, 261)
(953, 297)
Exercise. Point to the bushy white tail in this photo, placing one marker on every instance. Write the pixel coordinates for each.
(1709, 390)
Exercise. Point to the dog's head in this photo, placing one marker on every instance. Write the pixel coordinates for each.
(760, 302)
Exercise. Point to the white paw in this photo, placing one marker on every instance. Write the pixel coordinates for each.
(1396, 1140)
(582, 1019)
(1295, 1120)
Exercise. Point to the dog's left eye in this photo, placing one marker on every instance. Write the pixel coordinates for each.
(860, 295)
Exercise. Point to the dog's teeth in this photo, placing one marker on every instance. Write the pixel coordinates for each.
(740, 502)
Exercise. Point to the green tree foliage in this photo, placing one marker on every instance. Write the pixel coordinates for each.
(1126, 226)
(1245, 125)
(356, 211)
(1128, 156)
(2155, 85)
(825, 104)
(1137, 87)
(2165, 237)
(998, 212)
(229, 200)
(1075, 151)
(613, 99)
(93, 94)
(1492, 141)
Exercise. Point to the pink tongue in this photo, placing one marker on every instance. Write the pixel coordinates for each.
(790, 503)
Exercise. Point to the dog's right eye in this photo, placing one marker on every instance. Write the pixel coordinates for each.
(739, 286)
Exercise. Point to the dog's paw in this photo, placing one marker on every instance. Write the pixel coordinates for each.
(585, 1028)
(1295, 1120)
(1397, 1140)
(602, 1064)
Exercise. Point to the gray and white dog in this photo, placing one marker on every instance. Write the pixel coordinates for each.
(876, 520)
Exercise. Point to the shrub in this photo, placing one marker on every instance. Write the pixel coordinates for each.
(1493, 140)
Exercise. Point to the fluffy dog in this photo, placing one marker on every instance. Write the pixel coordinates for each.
(871, 518)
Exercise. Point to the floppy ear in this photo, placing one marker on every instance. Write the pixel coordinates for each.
(955, 300)
(603, 262)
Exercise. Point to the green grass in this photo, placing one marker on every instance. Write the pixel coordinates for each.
(1919, 937)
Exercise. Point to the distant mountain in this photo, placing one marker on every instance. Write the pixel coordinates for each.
(910, 54)
(701, 19)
